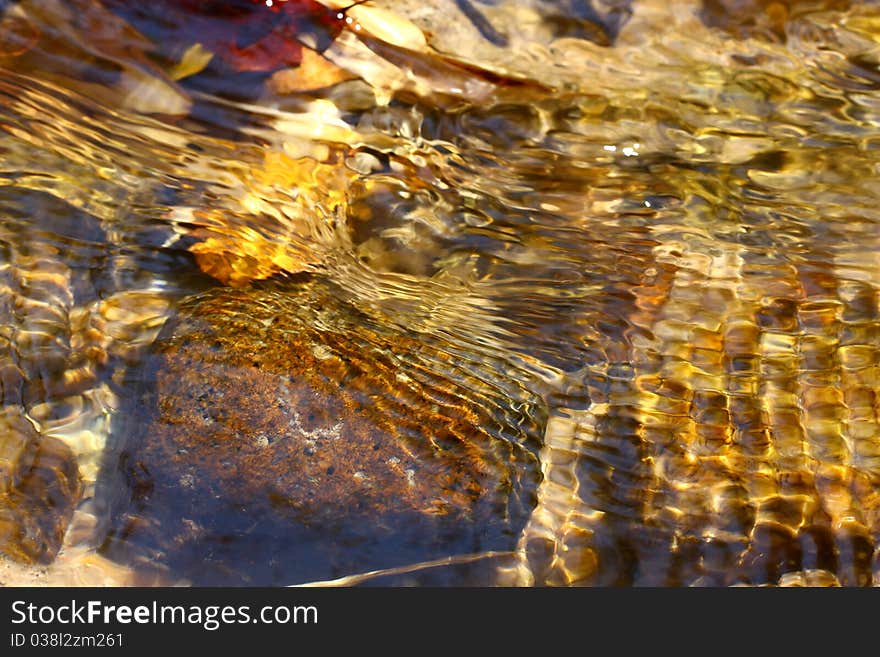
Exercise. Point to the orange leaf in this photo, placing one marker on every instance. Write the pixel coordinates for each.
(314, 72)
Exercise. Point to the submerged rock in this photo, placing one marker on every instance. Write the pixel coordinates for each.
(766, 20)
(271, 441)
(39, 488)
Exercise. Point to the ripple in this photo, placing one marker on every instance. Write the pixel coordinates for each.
(628, 258)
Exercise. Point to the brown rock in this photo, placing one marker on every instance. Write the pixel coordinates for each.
(761, 19)
(39, 488)
(275, 438)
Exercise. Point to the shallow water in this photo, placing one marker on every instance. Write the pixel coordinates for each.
(640, 241)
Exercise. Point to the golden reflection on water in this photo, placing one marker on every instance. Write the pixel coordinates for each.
(660, 219)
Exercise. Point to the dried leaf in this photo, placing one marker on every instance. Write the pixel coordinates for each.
(149, 94)
(313, 72)
(270, 53)
(245, 35)
(388, 26)
(236, 262)
(293, 233)
(389, 68)
(194, 60)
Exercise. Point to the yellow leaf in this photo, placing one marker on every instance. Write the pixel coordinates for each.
(194, 60)
(290, 232)
(389, 27)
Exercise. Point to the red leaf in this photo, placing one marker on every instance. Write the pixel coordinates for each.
(247, 35)
(268, 54)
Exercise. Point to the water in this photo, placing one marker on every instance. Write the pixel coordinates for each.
(628, 254)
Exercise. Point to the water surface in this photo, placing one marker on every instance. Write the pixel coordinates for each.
(640, 237)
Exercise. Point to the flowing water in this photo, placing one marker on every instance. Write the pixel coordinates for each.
(627, 253)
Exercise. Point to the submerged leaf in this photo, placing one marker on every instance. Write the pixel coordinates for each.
(314, 72)
(194, 60)
(246, 35)
(388, 26)
(297, 201)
